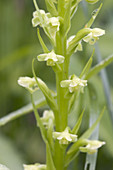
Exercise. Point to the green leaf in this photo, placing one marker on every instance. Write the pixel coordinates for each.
(77, 125)
(94, 112)
(74, 42)
(49, 134)
(96, 69)
(90, 130)
(87, 67)
(46, 91)
(50, 163)
(45, 49)
(21, 112)
(38, 120)
(66, 25)
(94, 15)
(51, 7)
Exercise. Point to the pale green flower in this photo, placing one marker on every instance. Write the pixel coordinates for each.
(47, 115)
(40, 18)
(92, 146)
(46, 21)
(29, 83)
(65, 137)
(51, 58)
(74, 83)
(94, 35)
(36, 166)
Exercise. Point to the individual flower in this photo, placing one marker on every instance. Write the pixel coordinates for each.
(74, 83)
(79, 46)
(94, 35)
(47, 115)
(53, 25)
(65, 137)
(51, 58)
(40, 18)
(36, 166)
(92, 146)
(54, 22)
(29, 83)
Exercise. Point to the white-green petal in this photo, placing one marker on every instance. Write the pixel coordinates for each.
(42, 57)
(97, 32)
(65, 83)
(35, 21)
(60, 58)
(88, 37)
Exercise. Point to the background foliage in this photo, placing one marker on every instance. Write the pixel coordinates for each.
(20, 140)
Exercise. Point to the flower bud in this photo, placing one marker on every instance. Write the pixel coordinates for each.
(47, 115)
(29, 83)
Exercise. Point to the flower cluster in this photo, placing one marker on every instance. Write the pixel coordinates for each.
(50, 24)
(74, 83)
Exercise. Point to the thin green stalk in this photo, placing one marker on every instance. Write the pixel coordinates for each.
(61, 100)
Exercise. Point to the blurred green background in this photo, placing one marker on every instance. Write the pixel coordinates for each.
(20, 140)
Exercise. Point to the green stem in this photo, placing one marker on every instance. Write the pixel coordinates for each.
(62, 115)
